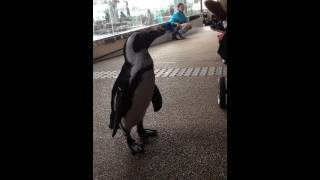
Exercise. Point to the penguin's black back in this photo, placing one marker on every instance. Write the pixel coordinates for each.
(123, 82)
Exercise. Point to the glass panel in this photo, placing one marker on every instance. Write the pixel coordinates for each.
(192, 7)
(111, 17)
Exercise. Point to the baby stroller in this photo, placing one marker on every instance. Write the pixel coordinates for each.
(219, 9)
(222, 94)
(218, 24)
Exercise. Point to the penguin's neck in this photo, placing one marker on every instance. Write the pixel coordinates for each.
(142, 59)
(139, 61)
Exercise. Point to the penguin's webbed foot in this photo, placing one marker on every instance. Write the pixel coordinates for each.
(136, 148)
(145, 133)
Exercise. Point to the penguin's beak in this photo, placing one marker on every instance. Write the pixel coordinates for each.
(157, 33)
(150, 36)
(145, 38)
(161, 31)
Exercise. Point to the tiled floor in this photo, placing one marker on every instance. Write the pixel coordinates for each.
(192, 140)
(171, 72)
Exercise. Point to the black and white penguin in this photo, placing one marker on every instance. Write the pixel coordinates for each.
(135, 88)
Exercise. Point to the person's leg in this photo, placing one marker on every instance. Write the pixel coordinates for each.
(184, 29)
(175, 34)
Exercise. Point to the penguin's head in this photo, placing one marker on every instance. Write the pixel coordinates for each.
(143, 39)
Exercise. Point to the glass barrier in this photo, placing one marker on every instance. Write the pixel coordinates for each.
(112, 17)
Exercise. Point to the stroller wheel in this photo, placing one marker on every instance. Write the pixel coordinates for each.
(222, 101)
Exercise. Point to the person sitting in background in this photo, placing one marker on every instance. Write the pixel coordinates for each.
(149, 18)
(122, 16)
(180, 21)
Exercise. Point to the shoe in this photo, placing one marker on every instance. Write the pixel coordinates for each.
(175, 36)
(180, 36)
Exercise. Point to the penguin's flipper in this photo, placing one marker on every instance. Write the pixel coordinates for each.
(117, 110)
(156, 99)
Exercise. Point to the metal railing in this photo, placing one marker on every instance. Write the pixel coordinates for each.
(124, 35)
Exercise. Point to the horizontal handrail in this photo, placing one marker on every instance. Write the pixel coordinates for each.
(124, 34)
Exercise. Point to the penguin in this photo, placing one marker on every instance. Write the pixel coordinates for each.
(135, 88)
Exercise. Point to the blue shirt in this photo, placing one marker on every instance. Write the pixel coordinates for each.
(178, 17)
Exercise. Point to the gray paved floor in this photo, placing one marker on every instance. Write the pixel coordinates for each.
(192, 141)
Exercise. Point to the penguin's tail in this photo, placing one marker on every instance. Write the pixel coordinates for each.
(156, 99)
(111, 120)
(116, 118)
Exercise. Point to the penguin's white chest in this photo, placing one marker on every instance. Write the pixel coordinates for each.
(144, 92)
(141, 99)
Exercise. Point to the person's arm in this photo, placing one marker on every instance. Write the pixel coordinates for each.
(183, 18)
(174, 20)
(186, 19)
